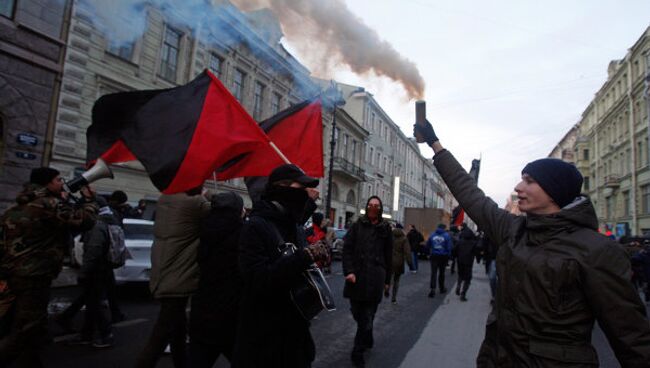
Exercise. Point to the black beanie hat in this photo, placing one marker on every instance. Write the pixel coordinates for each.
(43, 175)
(560, 180)
(317, 218)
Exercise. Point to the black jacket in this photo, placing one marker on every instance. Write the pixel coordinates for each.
(96, 244)
(271, 331)
(415, 238)
(465, 246)
(557, 276)
(367, 253)
(215, 305)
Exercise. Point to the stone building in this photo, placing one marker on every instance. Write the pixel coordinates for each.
(32, 45)
(611, 144)
(243, 51)
(565, 149)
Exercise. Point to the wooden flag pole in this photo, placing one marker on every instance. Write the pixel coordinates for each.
(277, 150)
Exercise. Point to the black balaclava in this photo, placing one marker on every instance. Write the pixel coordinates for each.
(292, 199)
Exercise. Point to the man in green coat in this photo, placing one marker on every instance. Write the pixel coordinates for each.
(556, 274)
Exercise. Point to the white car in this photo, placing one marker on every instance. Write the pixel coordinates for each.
(138, 236)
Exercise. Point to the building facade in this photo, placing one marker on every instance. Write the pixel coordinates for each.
(32, 45)
(249, 60)
(611, 144)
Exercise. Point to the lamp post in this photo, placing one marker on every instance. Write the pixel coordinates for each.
(332, 96)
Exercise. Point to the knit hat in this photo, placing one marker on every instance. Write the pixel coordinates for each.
(317, 218)
(560, 180)
(228, 201)
(43, 175)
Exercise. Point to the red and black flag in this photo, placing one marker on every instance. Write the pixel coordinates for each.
(297, 132)
(180, 135)
(458, 214)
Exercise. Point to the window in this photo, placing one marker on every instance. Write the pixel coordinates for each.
(238, 84)
(7, 8)
(123, 51)
(354, 152)
(169, 54)
(372, 122)
(645, 199)
(275, 103)
(586, 183)
(626, 204)
(378, 159)
(259, 100)
(585, 154)
(215, 65)
(372, 156)
(609, 207)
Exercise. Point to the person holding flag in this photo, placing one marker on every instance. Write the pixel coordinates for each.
(556, 274)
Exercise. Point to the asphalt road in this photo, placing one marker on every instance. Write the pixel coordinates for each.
(403, 332)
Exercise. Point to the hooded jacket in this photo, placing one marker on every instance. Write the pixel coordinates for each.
(556, 276)
(466, 247)
(96, 243)
(401, 251)
(367, 253)
(439, 243)
(174, 269)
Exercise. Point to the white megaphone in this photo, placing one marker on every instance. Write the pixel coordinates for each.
(99, 171)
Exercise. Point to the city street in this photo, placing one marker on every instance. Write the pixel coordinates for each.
(417, 332)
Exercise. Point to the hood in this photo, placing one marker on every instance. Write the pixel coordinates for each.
(440, 231)
(398, 233)
(579, 213)
(30, 192)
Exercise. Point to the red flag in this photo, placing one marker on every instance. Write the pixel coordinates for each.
(298, 134)
(180, 135)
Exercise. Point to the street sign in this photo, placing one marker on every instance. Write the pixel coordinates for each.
(25, 155)
(27, 139)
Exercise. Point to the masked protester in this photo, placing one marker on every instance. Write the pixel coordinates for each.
(367, 266)
(35, 233)
(272, 332)
(556, 274)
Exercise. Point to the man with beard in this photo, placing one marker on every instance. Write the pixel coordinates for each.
(272, 332)
(367, 262)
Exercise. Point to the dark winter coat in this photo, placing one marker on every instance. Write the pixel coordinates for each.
(215, 305)
(466, 247)
(643, 259)
(96, 243)
(557, 276)
(271, 332)
(401, 251)
(367, 253)
(415, 239)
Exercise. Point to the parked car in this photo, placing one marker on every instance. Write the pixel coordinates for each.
(337, 244)
(138, 236)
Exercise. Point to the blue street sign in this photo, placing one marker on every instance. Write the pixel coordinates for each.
(27, 139)
(25, 155)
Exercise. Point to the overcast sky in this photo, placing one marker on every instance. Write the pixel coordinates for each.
(504, 79)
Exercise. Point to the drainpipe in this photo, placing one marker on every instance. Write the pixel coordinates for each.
(635, 225)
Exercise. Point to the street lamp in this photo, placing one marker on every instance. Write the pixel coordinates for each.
(331, 97)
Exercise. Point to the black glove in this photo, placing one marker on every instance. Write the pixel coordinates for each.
(425, 132)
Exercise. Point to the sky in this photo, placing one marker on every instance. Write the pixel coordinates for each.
(505, 80)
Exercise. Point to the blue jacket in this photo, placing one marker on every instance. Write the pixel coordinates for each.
(439, 243)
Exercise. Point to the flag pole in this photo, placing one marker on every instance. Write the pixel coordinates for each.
(214, 178)
(277, 150)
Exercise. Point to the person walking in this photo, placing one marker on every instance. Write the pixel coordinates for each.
(401, 254)
(439, 245)
(557, 275)
(215, 306)
(643, 259)
(95, 275)
(465, 251)
(35, 234)
(454, 231)
(271, 330)
(415, 239)
(367, 266)
(174, 272)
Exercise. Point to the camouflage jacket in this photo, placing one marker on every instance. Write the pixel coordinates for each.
(35, 232)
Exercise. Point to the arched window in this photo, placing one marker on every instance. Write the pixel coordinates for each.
(351, 198)
(335, 192)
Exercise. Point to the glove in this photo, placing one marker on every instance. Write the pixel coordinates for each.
(425, 132)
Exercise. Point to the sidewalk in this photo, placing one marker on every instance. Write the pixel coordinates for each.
(454, 333)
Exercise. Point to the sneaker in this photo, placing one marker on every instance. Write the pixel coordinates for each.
(357, 360)
(458, 290)
(79, 340)
(104, 342)
(394, 301)
(463, 298)
(432, 293)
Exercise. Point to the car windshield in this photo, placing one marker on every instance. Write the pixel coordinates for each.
(138, 231)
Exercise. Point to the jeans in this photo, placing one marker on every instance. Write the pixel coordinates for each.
(415, 260)
(170, 328)
(94, 292)
(438, 265)
(395, 281)
(492, 275)
(364, 314)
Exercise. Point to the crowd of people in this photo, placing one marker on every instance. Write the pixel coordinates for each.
(551, 275)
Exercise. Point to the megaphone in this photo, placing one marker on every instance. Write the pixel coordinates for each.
(99, 171)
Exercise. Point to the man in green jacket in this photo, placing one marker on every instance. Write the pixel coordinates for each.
(556, 274)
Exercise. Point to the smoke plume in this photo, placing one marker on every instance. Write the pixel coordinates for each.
(327, 30)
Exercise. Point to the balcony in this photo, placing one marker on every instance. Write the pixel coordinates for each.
(347, 168)
(612, 181)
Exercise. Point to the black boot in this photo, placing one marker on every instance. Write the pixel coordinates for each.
(357, 360)
(432, 293)
(458, 288)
